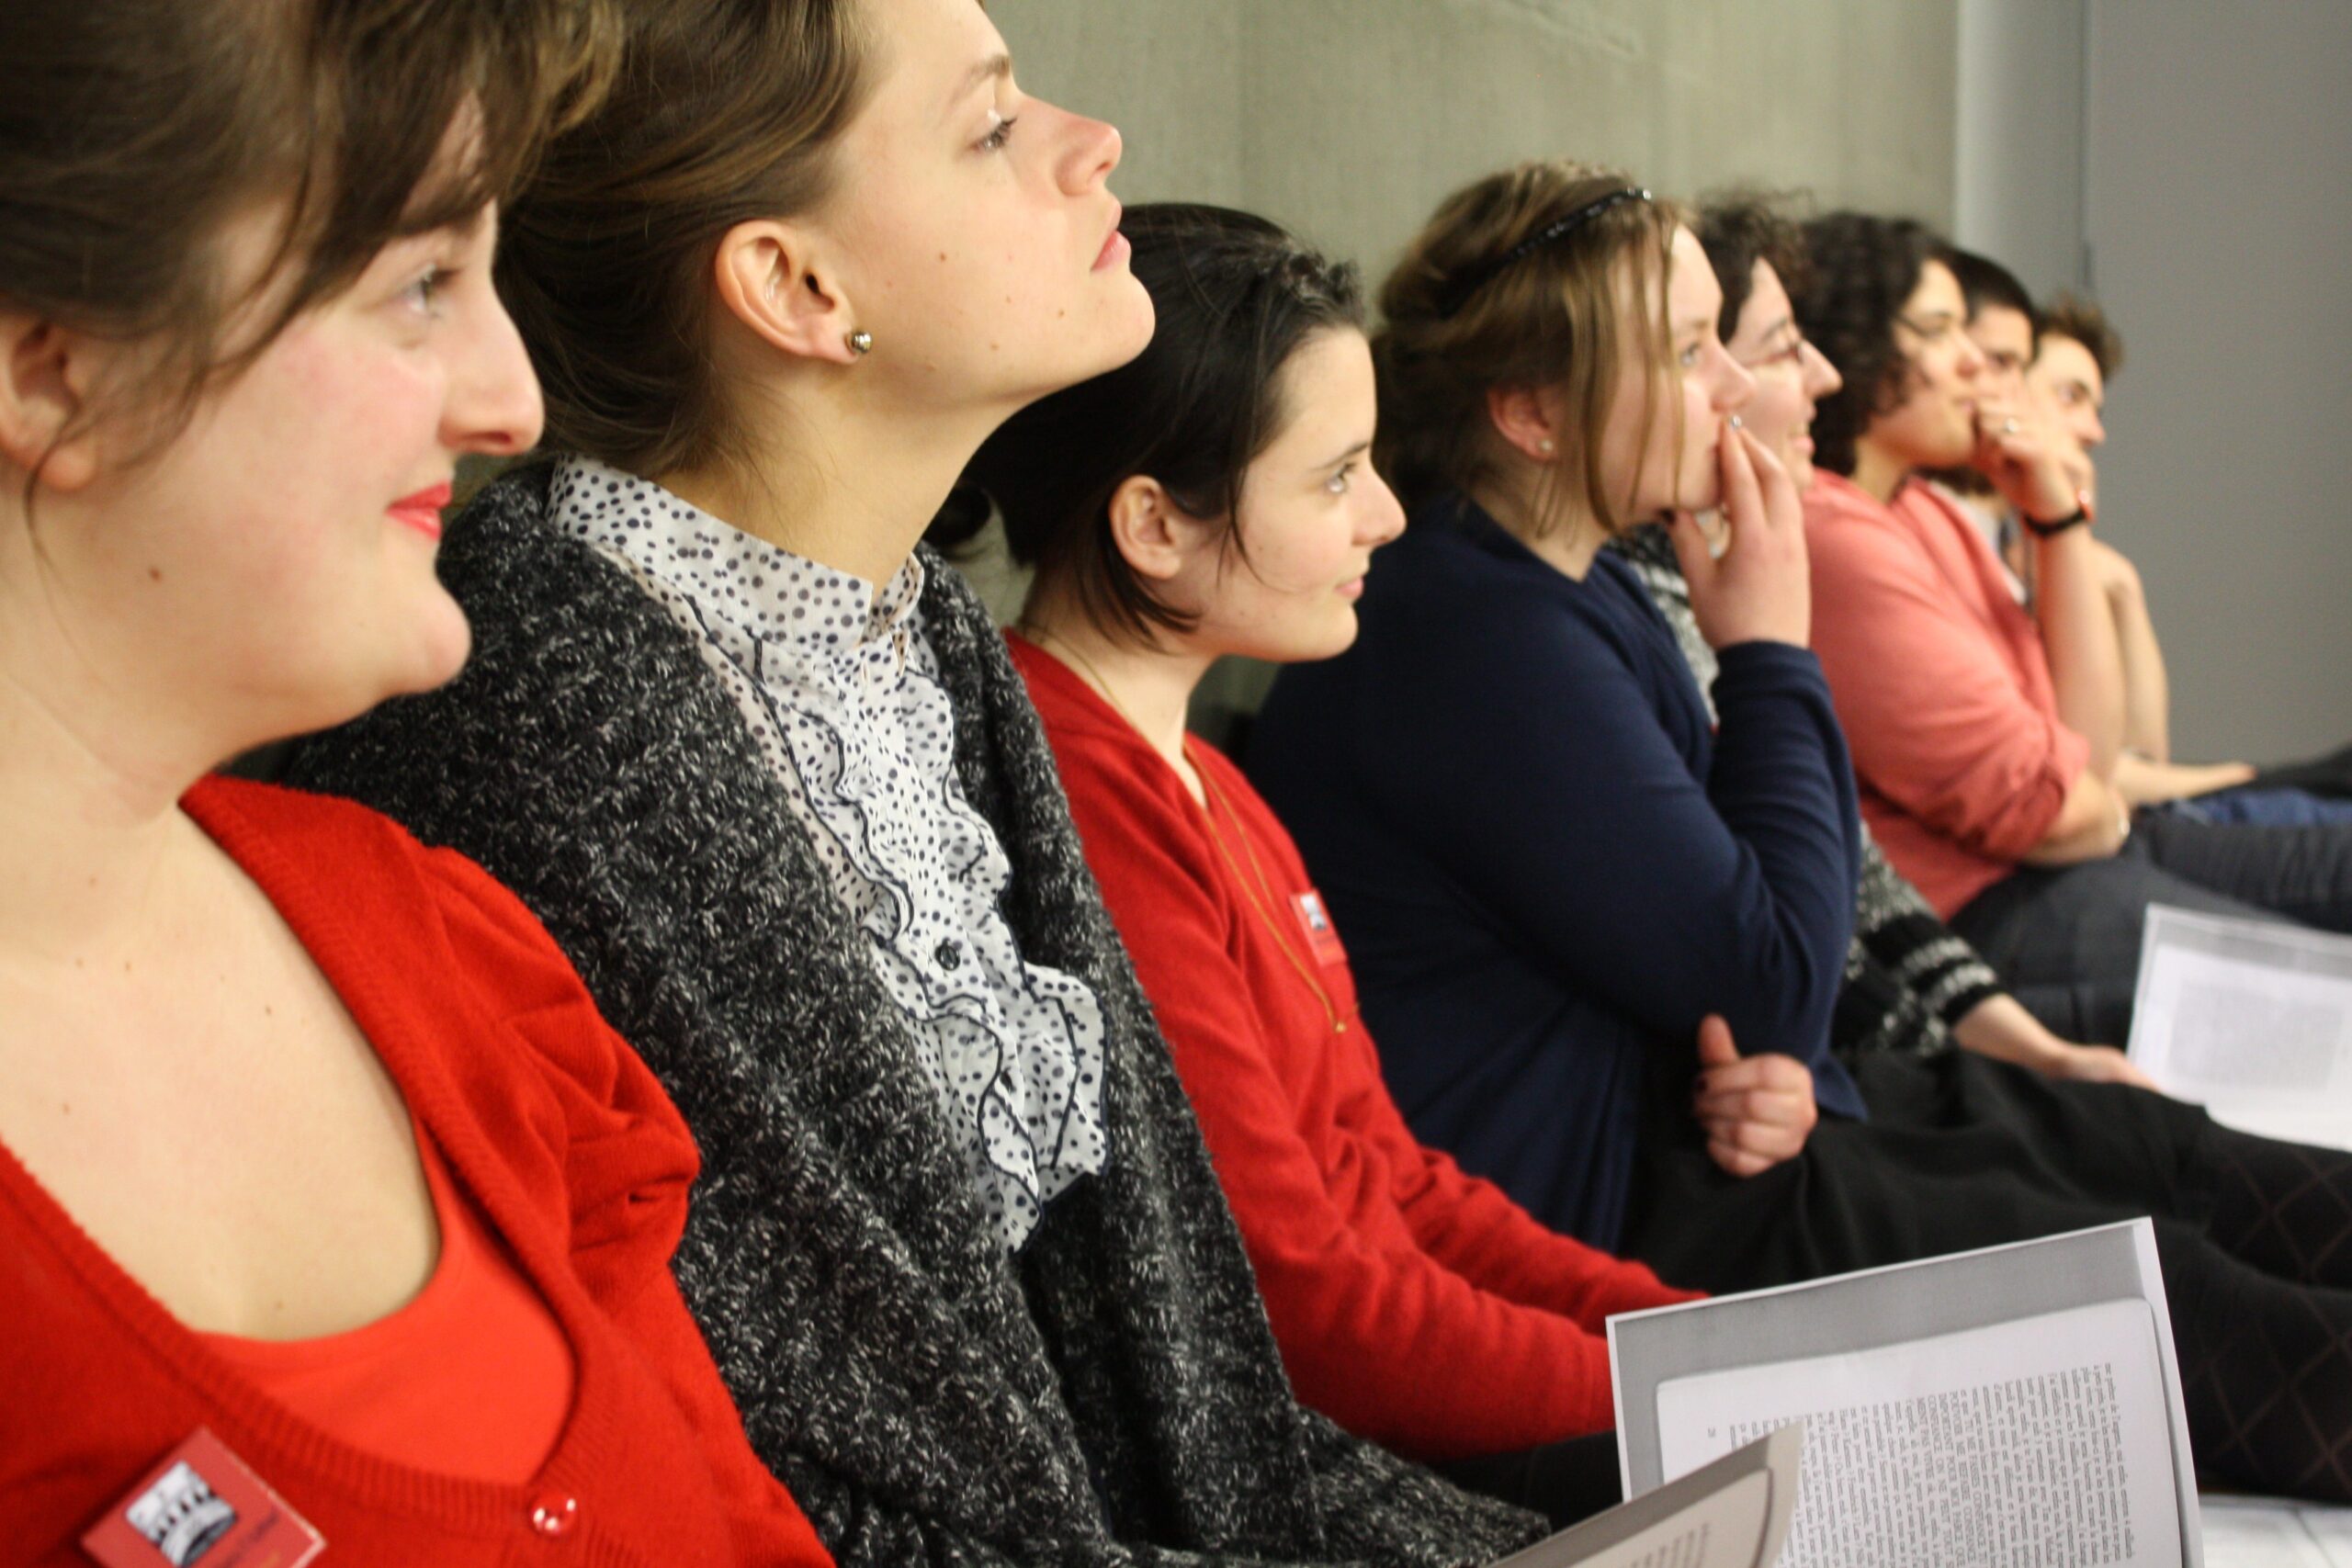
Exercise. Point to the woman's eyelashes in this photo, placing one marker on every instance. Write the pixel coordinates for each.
(1338, 482)
(1000, 132)
(422, 293)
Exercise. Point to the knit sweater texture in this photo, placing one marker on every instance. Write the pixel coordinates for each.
(1112, 1394)
(1414, 1304)
(579, 1164)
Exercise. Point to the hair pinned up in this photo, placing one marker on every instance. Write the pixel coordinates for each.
(1513, 283)
(1236, 297)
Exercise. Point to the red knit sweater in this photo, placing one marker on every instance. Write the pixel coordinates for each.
(578, 1162)
(1414, 1304)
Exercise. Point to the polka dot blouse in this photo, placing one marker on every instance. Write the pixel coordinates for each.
(841, 689)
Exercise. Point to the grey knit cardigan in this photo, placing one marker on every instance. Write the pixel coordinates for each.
(1112, 1394)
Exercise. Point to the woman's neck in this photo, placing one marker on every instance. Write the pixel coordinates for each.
(1567, 543)
(1150, 687)
(840, 480)
(1878, 472)
(88, 827)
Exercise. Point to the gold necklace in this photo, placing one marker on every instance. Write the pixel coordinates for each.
(1217, 797)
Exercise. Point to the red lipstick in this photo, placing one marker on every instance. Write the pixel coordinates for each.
(422, 510)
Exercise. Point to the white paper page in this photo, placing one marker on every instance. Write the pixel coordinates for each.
(1722, 1530)
(2258, 1533)
(2041, 1440)
(2332, 1527)
(2250, 1019)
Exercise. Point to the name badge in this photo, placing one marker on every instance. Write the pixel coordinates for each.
(1322, 937)
(200, 1505)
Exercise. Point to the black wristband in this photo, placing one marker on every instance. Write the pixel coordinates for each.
(2056, 526)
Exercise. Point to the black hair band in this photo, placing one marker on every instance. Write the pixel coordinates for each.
(1466, 288)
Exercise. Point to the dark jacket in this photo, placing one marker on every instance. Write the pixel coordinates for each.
(1549, 865)
(1112, 1394)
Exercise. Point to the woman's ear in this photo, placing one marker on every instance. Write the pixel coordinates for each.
(1529, 419)
(768, 281)
(45, 373)
(1150, 531)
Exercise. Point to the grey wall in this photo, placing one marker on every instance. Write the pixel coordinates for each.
(1348, 120)
(2018, 191)
(2220, 231)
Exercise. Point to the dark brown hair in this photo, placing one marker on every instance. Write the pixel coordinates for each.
(132, 130)
(1547, 320)
(725, 111)
(2080, 318)
(1865, 270)
(1739, 228)
(1236, 298)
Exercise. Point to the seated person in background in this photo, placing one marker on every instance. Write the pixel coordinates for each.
(2076, 354)
(309, 1138)
(765, 769)
(1217, 496)
(1986, 737)
(1550, 866)
(1912, 984)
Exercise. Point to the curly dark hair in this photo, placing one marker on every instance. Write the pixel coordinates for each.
(1864, 269)
(1739, 228)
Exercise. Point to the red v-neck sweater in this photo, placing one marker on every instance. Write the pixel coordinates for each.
(578, 1163)
(1414, 1304)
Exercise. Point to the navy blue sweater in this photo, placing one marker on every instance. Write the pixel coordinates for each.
(1547, 866)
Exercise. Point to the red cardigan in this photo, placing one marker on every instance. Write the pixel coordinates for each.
(1414, 1304)
(579, 1164)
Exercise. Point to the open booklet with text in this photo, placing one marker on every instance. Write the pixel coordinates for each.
(1731, 1513)
(2019, 1405)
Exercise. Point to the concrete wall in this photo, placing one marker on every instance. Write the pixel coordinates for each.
(2220, 228)
(1347, 120)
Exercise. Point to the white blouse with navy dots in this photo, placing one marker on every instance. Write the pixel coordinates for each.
(842, 690)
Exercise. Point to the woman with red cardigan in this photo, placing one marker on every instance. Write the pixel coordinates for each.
(332, 1216)
(1224, 503)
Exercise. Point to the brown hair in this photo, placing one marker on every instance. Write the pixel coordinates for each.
(1739, 228)
(725, 111)
(2080, 318)
(132, 130)
(1547, 320)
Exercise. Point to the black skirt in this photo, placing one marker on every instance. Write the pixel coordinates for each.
(1960, 1152)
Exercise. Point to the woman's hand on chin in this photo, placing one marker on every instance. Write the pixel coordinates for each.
(1760, 588)
(1756, 1110)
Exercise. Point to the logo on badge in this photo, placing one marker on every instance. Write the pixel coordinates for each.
(181, 1515)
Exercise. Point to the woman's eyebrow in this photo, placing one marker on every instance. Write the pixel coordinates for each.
(997, 67)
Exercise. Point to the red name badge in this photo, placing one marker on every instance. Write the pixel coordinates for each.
(1322, 937)
(200, 1505)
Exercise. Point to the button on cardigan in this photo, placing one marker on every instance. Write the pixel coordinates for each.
(1549, 865)
(579, 1166)
(1109, 1395)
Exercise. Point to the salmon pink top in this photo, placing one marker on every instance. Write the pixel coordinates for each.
(1941, 685)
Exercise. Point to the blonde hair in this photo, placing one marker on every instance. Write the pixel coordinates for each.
(1549, 319)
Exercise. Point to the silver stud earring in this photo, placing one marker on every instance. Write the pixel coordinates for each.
(861, 342)
(1548, 445)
